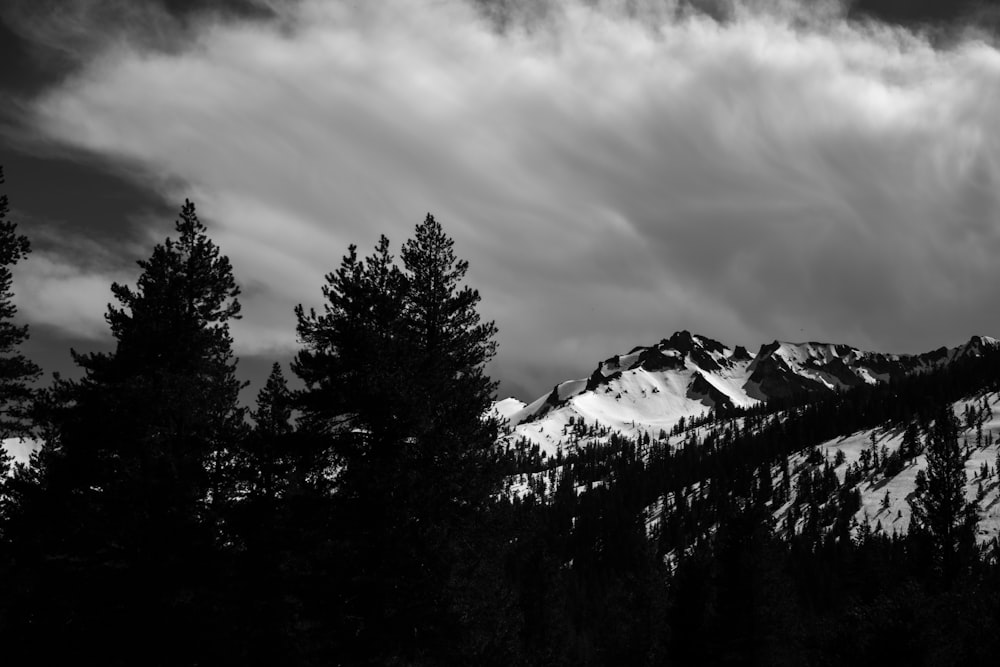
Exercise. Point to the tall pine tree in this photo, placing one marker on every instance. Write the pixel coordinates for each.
(395, 380)
(120, 534)
(270, 455)
(451, 346)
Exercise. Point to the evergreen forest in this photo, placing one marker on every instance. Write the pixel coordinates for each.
(368, 517)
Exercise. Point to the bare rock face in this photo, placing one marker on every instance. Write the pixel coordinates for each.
(700, 389)
(698, 348)
(781, 370)
(774, 378)
(653, 359)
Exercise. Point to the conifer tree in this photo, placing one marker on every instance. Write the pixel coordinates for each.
(276, 533)
(17, 373)
(452, 347)
(910, 444)
(351, 358)
(134, 461)
(270, 456)
(939, 509)
(395, 381)
(168, 392)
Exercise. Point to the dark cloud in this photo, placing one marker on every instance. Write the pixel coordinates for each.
(612, 170)
(44, 41)
(917, 13)
(21, 71)
(77, 195)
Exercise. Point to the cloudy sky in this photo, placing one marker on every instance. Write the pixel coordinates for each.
(613, 170)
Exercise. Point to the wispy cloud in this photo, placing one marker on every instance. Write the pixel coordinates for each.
(612, 170)
(54, 290)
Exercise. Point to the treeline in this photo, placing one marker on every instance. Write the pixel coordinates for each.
(161, 522)
(369, 518)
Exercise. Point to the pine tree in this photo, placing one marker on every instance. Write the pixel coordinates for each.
(278, 520)
(273, 415)
(910, 445)
(352, 360)
(17, 377)
(939, 509)
(270, 457)
(452, 347)
(395, 382)
(134, 463)
(864, 533)
(17, 373)
(169, 390)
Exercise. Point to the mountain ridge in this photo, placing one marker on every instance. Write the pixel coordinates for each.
(652, 388)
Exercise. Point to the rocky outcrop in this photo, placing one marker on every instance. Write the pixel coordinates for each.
(700, 389)
(653, 359)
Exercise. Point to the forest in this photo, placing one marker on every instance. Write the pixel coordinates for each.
(368, 518)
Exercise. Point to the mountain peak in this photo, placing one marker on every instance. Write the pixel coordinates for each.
(983, 341)
(703, 352)
(976, 346)
(740, 353)
(686, 375)
(684, 341)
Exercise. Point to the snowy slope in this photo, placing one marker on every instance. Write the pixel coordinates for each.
(894, 516)
(645, 390)
(650, 389)
(884, 505)
(507, 408)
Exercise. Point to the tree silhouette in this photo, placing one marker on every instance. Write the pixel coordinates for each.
(939, 509)
(451, 348)
(133, 467)
(17, 372)
(395, 380)
(270, 456)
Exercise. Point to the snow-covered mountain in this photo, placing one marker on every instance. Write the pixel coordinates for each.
(651, 389)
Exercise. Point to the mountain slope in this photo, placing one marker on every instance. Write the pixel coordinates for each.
(650, 390)
(872, 463)
(884, 492)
